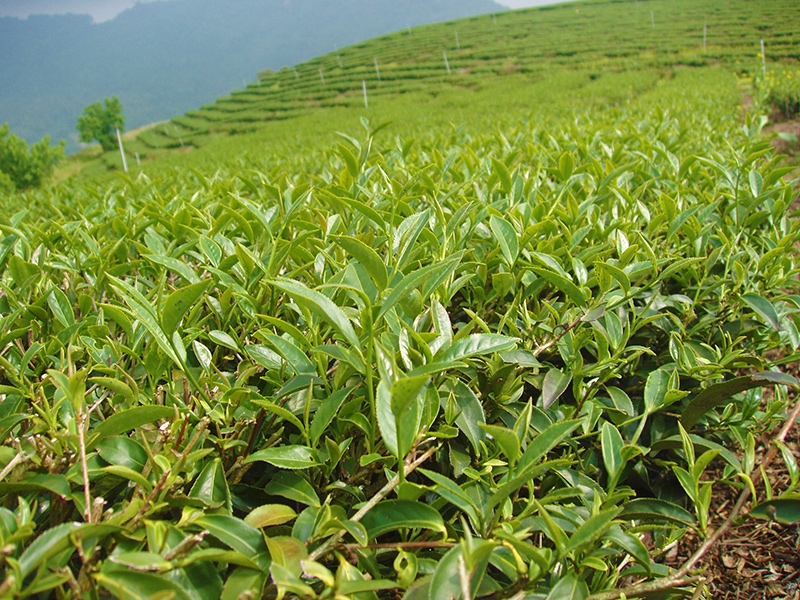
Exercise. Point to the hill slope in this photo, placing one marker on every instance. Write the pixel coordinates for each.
(598, 38)
(163, 58)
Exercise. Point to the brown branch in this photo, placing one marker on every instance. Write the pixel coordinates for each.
(564, 331)
(398, 545)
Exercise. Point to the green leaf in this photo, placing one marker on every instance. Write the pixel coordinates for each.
(115, 385)
(782, 510)
(269, 515)
(211, 487)
(391, 515)
(326, 412)
(141, 309)
(569, 587)
(590, 530)
(132, 585)
(651, 509)
(293, 487)
(287, 457)
(546, 441)
(506, 238)
(126, 420)
(56, 540)
(447, 577)
(178, 303)
(238, 536)
(720, 393)
(555, 384)
(764, 309)
(507, 440)
(563, 284)
(431, 276)
(630, 544)
(471, 413)
(502, 174)
(122, 451)
(61, 307)
(655, 389)
(611, 443)
(223, 339)
(477, 344)
(369, 259)
(322, 306)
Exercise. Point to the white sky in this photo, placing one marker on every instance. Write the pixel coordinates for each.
(104, 10)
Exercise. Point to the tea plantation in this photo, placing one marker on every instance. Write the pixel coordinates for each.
(512, 332)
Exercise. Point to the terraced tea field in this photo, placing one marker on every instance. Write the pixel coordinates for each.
(532, 338)
(596, 38)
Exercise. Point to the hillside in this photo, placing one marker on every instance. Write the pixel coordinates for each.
(526, 331)
(163, 58)
(595, 38)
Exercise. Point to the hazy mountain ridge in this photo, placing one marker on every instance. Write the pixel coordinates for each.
(164, 58)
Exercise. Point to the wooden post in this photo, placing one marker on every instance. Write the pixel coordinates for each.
(339, 58)
(296, 74)
(763, 58)
(705, 35)
(458, 44)
(138, 162)
(377, 69)
(321, 76)
(122, 154)
(446, 62)
(364, 87)
(652, 19)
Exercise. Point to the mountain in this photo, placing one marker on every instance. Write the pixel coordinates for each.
(163, 58)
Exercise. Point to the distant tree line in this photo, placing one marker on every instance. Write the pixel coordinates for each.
(23, 167)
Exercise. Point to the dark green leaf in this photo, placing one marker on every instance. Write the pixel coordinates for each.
(391, 515)
(720, 393)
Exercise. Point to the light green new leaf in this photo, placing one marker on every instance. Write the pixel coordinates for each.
(179, 302)
(477, 344)
(287, 457)
(506, 238)
(369, 259)
(611, 443)
(269, 515)
(322, 306)
(62, 309)
(134, 585)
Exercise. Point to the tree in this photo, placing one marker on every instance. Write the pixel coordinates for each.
(101, 124)
(22, 167)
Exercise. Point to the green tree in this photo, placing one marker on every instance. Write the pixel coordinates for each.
(101, 123)
(22, 167)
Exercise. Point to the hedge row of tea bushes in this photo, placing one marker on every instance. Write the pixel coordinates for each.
(600, 38)
(475, 362)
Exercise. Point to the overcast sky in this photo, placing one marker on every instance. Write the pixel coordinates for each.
(103, 10)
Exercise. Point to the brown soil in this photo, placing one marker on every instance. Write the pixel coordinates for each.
(757, 559)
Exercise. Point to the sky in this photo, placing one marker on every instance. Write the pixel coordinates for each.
(104, 10)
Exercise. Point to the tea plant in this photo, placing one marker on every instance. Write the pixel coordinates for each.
(466, 364)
